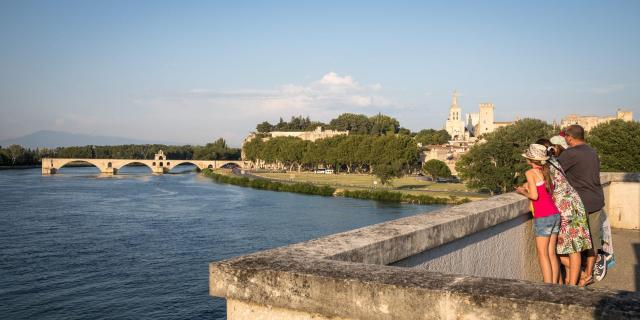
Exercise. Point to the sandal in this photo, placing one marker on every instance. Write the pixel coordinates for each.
(585, 280)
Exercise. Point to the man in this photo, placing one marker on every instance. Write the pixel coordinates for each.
(582, 168)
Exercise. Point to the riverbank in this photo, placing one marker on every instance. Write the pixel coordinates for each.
(326, 190)
(415, 185)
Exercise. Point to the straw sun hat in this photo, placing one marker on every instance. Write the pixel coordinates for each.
(536, 152)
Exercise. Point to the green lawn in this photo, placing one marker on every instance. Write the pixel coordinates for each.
(408, 184)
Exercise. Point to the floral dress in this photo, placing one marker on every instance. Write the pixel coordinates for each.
(574, 231)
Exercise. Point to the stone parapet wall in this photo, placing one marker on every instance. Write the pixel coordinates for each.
(364, 274)
(622, 199)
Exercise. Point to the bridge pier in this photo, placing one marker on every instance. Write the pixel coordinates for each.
(48, 171)
(159, 170)
(108, 171)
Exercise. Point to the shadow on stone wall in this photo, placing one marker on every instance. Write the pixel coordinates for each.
(459, 244)
(606, 308)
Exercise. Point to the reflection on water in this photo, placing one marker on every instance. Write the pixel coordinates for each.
(77, 245)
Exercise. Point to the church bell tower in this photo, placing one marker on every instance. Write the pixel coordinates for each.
(455, 124)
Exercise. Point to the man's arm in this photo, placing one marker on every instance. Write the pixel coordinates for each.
(567, 160)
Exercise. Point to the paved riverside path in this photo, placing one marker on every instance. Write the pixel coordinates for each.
(625, 275)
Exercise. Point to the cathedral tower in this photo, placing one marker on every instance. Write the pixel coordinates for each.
(455, 123)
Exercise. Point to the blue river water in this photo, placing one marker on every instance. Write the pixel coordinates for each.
(137, 246)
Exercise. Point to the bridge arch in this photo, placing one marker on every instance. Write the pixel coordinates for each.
(230, 165)
(68, 162)
(174, 163)
(128, 163)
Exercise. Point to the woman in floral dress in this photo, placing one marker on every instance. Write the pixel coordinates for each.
(574, 236)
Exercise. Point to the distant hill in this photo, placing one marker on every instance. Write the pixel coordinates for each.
(52, 139)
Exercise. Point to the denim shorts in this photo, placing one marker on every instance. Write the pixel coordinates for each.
(544, 227)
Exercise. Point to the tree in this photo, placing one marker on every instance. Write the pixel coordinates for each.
(436, 168)
(15, 152)
(381, 124)
(387, 171)
(431, 136)
(618, 145)
(404, 131)
(354, 123)
(264, 127)
(496, 165)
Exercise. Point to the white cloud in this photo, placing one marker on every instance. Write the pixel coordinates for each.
(332, 92)
(233, 113)
(333, 79)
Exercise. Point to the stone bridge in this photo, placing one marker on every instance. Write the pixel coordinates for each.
(159, 165)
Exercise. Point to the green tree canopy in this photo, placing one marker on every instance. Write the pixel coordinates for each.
(264, 127)
(431, 136)
(436, 169)
(16, 152)
(381, 124)
(397, 154)
(618, 145)
(218, 150)
(354, 123)
(496, 165)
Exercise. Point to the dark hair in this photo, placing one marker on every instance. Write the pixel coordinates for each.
(575, 131)
(552, 150)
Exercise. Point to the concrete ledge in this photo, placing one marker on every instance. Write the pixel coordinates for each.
(346, 275)
(608, 177)
(364, 291)
(395, 240)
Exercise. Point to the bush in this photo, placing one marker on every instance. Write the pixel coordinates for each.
(436, 169)
(304, 188)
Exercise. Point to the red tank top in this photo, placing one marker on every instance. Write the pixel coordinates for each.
(544, 206)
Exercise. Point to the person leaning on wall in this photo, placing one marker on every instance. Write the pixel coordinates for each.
(582, 168)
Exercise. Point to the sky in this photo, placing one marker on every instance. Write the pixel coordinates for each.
(193, 71)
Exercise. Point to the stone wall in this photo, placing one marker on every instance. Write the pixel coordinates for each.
(502, 251)
(448, 264)
(622, 199)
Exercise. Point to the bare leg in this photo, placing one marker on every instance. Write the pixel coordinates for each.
(566, 263)
(590, 261)
(542, 246)
(574, 270)
(553, 259)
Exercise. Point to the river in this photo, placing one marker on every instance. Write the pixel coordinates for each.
(137, 246)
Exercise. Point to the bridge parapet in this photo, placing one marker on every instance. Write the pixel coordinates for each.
(472, 261)
(159, 165)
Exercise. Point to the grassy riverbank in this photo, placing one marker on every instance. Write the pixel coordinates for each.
(304, 188)
(407, 185)
(326, 190)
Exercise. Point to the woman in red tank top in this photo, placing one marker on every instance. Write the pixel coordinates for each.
(546, 216)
